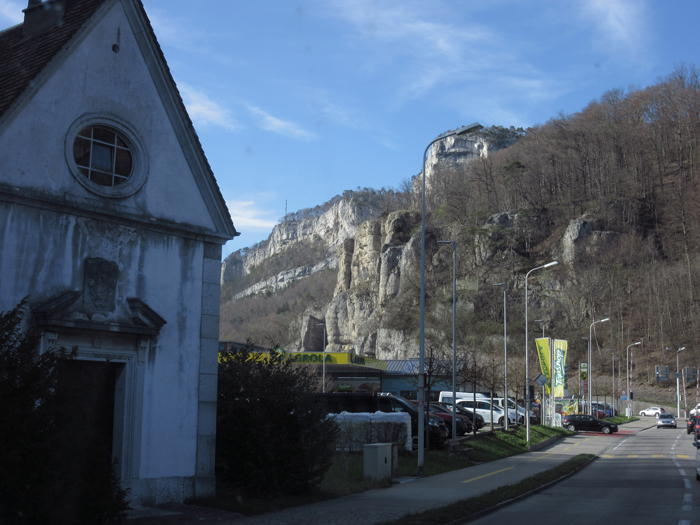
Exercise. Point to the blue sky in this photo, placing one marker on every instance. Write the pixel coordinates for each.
(297, 101)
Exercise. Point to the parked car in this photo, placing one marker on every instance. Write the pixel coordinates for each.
(463, 426)
(485, 409)
(576, 422)
(464, 423)
(666, 420)
(602, 410)
(652, 411)
(695, 411)
(521, 410)
(476, 419)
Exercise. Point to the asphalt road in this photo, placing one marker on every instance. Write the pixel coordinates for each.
(644, 479)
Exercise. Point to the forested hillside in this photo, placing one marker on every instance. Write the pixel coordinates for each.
(611, 192)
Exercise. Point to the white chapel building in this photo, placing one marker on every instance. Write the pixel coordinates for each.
(111, 223)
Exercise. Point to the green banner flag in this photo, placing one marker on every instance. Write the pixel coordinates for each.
(543, 355)
(560, 349)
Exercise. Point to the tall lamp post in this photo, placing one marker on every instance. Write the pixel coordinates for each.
(454, 337)
(541, 321)
(678, 383)
(421, 366)
(527, 347)
(590, 363)
(544, 387)
(629, 392)
(505, 351)
(613, 379)
(323, 386)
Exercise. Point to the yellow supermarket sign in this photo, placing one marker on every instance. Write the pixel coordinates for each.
(334, 358)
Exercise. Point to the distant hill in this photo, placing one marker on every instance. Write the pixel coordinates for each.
(610, 192)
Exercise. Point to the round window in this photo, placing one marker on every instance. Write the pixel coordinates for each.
(105, 156)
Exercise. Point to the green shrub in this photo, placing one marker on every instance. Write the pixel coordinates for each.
(272, 437)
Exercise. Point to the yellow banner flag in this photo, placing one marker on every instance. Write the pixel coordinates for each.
(543, 354)
(560, 349)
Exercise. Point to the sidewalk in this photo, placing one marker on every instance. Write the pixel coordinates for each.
(416, 495)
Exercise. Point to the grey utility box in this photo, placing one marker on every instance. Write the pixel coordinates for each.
(377, 460)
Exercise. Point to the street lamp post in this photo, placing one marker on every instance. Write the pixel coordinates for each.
(454, 337)
(421, 357)
(527, 347)
(629, 392)
(541, 321)
(505, 351)
(323, 386)
(613, 379)
(678, 383)
(590, 363)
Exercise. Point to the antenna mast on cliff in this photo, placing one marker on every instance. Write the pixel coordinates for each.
(285, 210)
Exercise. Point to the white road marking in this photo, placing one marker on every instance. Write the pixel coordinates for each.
(620, 443)
(682, 472)
(687, 502)
(686, 481)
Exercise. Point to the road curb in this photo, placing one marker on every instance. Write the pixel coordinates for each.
(543, 444)
(484, 512)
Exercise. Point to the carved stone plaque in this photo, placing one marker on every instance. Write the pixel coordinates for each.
(101, 278)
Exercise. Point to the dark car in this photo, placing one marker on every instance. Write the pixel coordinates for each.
(354, 402)
(476, 419)
(464, 424)
(694, 426)
(575, 422)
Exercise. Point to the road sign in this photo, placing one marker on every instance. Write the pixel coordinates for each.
(623, 393)
(541, 380)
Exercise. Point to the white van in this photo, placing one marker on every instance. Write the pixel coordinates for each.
(483, 406)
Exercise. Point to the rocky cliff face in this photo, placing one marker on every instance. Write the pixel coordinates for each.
(333, 227)
(378, 261)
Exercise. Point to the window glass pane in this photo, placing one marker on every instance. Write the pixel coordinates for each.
(119, 180)
(103, 179)
(81, 152)
(85, 171)
(121, 143)
(122, 165)
(103, 135)
(102, 157)
(87, 132)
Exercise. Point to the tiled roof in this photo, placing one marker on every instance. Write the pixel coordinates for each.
(22, 59)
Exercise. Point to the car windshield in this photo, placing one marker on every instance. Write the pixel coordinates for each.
(666, 416)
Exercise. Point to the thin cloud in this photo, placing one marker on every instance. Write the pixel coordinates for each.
(247, 215)
(12, 11)
(620, 24)
(430, 53)
(282, 127)
(206, 112)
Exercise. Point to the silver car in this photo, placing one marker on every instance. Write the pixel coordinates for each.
(666, 420)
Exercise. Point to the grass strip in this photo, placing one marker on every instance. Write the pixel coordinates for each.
(346, 474)
(462, 511)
